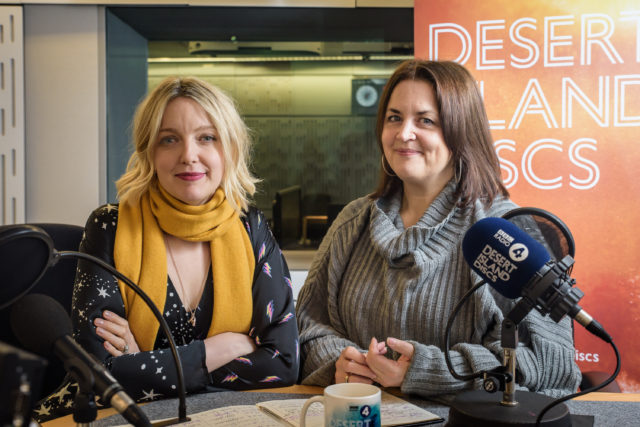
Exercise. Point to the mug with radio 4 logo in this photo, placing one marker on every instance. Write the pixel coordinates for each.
(348, 405)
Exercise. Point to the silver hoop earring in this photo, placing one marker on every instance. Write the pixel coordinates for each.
(384, 168)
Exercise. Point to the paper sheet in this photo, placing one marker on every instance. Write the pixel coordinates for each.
(277, 413)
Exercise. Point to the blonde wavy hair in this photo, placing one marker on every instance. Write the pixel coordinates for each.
(237, 182)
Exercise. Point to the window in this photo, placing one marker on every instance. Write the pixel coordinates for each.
(306, 81)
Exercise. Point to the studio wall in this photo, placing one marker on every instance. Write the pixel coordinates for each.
(561, 85)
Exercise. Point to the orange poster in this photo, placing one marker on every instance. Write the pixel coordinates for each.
(561, 84)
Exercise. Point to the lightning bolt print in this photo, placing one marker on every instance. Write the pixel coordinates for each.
(266, 268)
(286, 318)
(230, 378)
(270, 310)
(270, 379)
(244, 360)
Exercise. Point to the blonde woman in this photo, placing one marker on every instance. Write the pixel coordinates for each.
(185, 233)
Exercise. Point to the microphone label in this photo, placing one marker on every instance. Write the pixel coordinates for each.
(493, 265)
(518, 252)
(503, 237)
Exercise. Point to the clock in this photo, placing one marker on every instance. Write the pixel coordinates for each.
(365, 94)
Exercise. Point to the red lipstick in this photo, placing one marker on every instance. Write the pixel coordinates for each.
(190, 176)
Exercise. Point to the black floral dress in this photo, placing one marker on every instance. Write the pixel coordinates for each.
(150, 375)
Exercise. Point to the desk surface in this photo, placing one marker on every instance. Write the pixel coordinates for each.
(606, 415)
(104, 413)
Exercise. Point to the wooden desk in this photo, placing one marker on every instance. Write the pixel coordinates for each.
(67, 420)
(610, 397)
(303, 389)
(297, 389)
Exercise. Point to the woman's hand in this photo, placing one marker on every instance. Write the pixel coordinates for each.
(389, 373)
(118, 339)
(223, 348)
(351, 367)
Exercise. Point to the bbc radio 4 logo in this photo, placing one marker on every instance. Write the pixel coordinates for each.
(518, 252)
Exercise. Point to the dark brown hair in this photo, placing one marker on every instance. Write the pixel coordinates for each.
(465, 129)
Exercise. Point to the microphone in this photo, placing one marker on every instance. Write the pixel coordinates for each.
(42, 325)
(516, 265)
(33, 244)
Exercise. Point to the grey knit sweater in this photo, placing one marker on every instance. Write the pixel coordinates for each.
(372, 277)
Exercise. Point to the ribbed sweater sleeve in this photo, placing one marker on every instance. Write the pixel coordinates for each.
(324, 335)
(371, 278)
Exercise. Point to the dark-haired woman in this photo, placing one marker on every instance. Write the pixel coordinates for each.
(389, 271)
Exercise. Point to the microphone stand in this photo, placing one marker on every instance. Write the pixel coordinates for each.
(182, 406)
(509, 345)
(21, 374)
(85, 410)
(485, 409)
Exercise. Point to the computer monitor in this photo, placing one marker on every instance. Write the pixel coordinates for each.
(287, 216)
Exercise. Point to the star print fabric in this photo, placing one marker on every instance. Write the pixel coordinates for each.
(151, 375)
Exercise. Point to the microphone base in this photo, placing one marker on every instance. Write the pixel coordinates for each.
(481, 409)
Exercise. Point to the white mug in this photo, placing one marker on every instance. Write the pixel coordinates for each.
(347, 405)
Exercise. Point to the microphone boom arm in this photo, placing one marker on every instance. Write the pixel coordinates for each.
(182, 406)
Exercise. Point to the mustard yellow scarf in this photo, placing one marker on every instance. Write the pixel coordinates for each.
(140, 254)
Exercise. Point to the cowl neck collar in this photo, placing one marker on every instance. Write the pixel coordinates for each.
(388, 234)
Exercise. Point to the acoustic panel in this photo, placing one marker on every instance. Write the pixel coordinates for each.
(12, 168)
(335, 155)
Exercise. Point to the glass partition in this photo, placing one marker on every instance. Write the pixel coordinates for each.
(310, 103)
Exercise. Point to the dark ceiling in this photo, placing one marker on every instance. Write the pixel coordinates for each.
(187, 23)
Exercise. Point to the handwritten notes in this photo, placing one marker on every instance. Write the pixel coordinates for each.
(277, 413)
(396, 412)
(289, 411)
(393, 411)
(233, 416)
